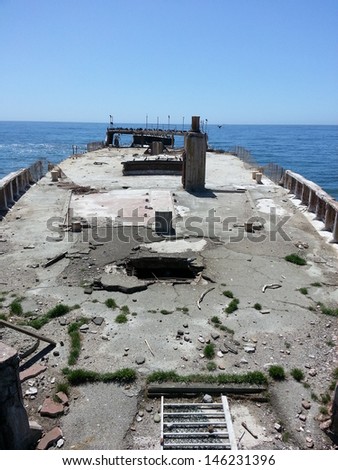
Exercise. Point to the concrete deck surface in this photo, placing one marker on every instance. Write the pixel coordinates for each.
(289, 330)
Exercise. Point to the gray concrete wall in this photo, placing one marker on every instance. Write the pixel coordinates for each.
(318, 201)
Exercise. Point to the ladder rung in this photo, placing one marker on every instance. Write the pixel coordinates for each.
(196, 423)
(209, 414)
(193, 405)
(185, 435)
(197, 445)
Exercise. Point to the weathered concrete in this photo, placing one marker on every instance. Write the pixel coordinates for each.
(210, 230)
(318, 201)
(194, 158)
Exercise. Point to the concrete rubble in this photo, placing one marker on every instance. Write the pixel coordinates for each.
(165, 321)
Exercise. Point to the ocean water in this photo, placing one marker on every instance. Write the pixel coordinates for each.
(309, 150)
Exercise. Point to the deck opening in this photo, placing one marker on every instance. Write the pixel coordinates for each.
(163, 268)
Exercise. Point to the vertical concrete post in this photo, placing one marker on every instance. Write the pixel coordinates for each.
(305, 194)
(287, 181)
(194, 162)
(3, 199)
(15, 432)
(9, 194)
(26, 179)
(335, 229)
(320, 209)
(156, 147)
(299, 189)
(55, 175)
(329, 217)
(312, 201)
(293, 185)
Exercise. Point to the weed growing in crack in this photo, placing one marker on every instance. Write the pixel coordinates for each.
(121, 318)
(303, 290)
(209, 351)
(166, 312)
(211, 366)
(110, 303)
(253, 378)
(56, 312)
(331, 311)
(297, 374)
(75, 340)
(229, 294)
(82, 376)
(233, 306)
(295, 259)
(215, 320)
(277, 372)
(15, 307)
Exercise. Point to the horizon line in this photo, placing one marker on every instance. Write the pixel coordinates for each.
(161, 125)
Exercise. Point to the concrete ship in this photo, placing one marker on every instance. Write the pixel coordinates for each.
(133, 278)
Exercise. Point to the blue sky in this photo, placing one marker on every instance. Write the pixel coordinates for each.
(228, 61)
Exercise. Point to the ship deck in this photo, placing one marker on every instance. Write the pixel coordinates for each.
(232, 239)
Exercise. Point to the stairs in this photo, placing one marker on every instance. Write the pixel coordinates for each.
(197, 426)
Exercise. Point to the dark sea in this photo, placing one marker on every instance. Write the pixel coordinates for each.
(309, 150)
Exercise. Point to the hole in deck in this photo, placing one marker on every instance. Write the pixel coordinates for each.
(163, 268)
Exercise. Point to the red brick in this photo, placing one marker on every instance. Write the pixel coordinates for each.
(63, 398)
(51, 409)
(32, 371)
(49, 439)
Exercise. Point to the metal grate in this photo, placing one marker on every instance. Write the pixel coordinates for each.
(197, 426)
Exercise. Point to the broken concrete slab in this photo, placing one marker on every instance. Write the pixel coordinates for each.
(125, 284)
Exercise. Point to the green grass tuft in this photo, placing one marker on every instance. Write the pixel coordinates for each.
(121, 318)
(75, 340)
(258, 306)
(333, 312)
(277, 372)
(82, 376)
(58, 311)
(209, 351)
(183, 309)
(303, 290)
(163, 376)
(215, 320)
(233, 306)
(63, 387)
(110, 303)
(227, 329)
(15, 307)
(295, 259)
(228, 294)
(211, 366)
(251, 378)
(297, 374)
